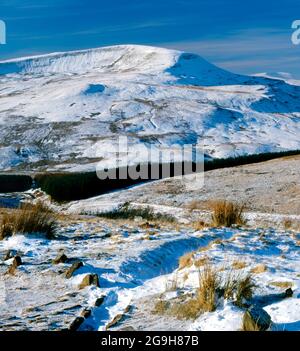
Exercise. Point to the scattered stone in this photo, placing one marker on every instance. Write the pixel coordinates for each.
(89, 279)
(61, 258)
(99, 301)
(118, 318)
(129, 328)
(9, 254)
(73, 268)
(256, 319)
(128, 309)
(289, 292)
(147, 225)
(115, 321)
(17, 261)
(76, 324)
(85, 313)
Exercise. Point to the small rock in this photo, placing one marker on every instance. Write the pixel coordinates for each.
(129, 328)
(289, 293)
(85, 313)
(9, 254)
(17, 261)
(73, 268)
(256, 319)
(89, 279)
(128, 309)
(99, 301)
(119, 317)
(61, 258)
(115, 321)
(76, 324)
(147, 225)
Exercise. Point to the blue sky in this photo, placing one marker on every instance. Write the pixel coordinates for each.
(242, 36)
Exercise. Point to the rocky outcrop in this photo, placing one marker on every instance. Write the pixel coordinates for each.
(256, 319)
(76, 265)
(89, 279)
(60, 258)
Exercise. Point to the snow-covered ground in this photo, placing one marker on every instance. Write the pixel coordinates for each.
(138, 266)
(67, 110)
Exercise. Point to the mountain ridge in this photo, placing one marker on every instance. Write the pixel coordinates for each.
(66, 110)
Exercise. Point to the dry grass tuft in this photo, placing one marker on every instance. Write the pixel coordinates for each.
(161, 307)
(185, 276)
(209, 284)
(261, 268)
(211, 244)
(186, 260)
(127, 212)
(238, 288)
(189, 309)
(206, 297)
(227, 214)
(244, 289)
(200, 225)
(287, 224)
(201, 262)
(284, 285)
(217, 242)
(29, 219)
(239, 265)
(249, 325)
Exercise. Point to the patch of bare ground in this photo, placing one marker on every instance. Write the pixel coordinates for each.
(266, 187)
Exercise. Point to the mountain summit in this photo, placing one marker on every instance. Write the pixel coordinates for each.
(67, 110)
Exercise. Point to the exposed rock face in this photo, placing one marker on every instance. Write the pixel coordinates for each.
(76, 324)
(118, 318)
(17, 261)
(256, 319)
(89, 279)
(99, 301)
(85, 313)
(73, 268)
(61, 258)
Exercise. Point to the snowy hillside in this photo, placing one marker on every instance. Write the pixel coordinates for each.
(66, 110)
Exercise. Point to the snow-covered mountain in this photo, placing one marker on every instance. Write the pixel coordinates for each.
(67, 110)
